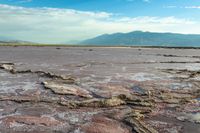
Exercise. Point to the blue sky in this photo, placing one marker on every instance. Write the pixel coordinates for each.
(69, 20)
(124, 7)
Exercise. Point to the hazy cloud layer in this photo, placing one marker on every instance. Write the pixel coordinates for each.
(192, 7)
(183, 7)
(53, 25)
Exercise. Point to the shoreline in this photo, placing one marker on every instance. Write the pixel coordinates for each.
(94, 46)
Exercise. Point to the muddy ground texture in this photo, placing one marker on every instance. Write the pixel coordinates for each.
(99, 90)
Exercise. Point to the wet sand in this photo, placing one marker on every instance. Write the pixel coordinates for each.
(101, 90)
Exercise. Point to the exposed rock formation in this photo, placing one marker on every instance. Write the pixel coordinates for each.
(30, 120)
(67, 89)
(102, 124)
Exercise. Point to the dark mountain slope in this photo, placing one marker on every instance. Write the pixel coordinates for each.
(139, 38)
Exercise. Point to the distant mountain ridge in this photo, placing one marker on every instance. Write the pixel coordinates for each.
(6, 40)
(15, 41)
(139, 38)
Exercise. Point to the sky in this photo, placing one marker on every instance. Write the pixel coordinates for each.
(67, 21)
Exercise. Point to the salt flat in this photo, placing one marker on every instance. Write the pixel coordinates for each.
(99, 89)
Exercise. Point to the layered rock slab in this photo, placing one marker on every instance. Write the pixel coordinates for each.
(66, 89)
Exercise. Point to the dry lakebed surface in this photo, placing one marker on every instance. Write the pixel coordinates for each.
(99, 90)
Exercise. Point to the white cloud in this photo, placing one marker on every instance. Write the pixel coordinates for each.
(183, 7)
(156, 20)
(141, 0)
(25, 1)
(146, 0)
(171, 6)
(53, 25)
(192, 7)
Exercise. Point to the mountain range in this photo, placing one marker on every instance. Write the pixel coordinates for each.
(135, 38)
(7, 40)
(140, 38)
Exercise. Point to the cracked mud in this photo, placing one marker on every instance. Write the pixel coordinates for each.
(99, 90)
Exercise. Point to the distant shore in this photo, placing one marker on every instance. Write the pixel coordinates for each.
(96, 46)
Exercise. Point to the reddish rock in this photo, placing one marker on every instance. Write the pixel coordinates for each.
(30, 120)
(101, 124)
